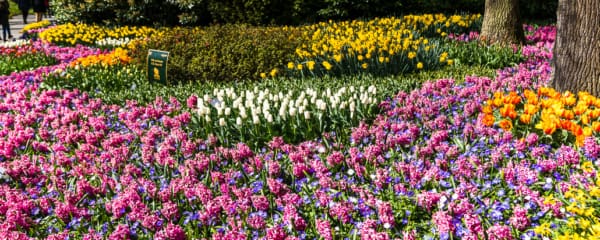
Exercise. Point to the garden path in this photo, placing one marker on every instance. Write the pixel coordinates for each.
(16, 24)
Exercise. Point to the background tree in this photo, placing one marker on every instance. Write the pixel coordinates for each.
(577, 47)
(502, 22)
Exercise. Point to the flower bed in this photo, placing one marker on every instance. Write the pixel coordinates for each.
(430, 166)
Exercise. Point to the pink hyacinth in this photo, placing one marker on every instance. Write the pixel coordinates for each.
(519, 220)
(275, 233)
(499, 232)
(324, 229)
(428, 199)
(171, 232)
(443, 222)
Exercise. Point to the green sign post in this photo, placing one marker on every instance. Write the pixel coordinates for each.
(157, 66)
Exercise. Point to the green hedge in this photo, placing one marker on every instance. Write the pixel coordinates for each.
(265, 12)
(222, 53)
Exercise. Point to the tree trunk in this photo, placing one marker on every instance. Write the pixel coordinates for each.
(577, 47)
(502, 22)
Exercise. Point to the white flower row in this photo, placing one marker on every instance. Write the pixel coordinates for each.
(259, 104)
(16, 43)
(113, 42)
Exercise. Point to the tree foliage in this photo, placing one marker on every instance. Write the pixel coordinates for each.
(263, 12)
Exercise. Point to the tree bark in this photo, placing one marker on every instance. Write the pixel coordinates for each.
(502, 22)
(577, 47)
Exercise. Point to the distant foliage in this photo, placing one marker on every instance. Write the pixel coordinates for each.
(116, 12)
(266, 12)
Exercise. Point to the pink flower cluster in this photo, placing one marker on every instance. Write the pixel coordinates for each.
(71, 166)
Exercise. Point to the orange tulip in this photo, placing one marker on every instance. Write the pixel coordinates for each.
(505, 124)
(508, 111)
(489, 120)
(525, 118)
(512, 98)
(594, 114)
(565, 124)
(530, 109)
(487, 109)
(569, 99)
(548, 126)
(576, 129)
(585, 119)
(587, 131)
(568, 114)
(580, 109)
(596, 126)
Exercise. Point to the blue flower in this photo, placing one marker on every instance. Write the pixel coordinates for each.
(444, 236)
(496, 215)
(557, 176)
(500, 193)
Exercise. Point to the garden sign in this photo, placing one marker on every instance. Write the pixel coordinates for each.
(157, 66)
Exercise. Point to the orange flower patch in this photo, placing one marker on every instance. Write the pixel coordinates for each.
(546, 110)
(118, 56)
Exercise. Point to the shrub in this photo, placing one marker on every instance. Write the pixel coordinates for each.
(116, 12)
(260, 12)
(222, 52)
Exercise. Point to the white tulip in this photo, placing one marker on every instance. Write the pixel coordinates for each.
(255, 119)
(292, 111)
(199, 102)
(373, 89)
(227, 111)
(207, 118)
(243, 113)
(249, 104)
(221, 122)
(321, 105)
(269, 118)
(266, 106)
(238, 121)
(307, 115)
